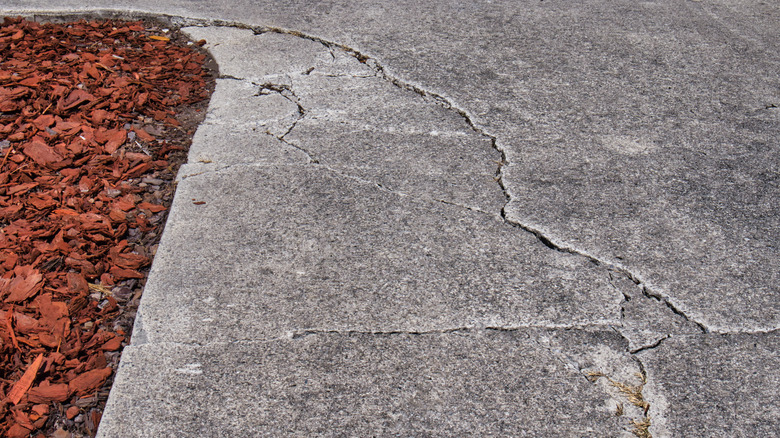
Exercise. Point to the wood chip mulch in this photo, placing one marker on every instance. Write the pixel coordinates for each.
(95, 117)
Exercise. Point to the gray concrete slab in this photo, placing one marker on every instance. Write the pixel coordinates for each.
(641, 136)
(493, 383)
(306, 248)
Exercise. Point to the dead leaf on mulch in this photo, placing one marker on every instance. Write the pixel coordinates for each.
(91, 132)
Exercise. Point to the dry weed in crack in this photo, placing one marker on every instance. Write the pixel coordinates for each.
(633, 394)
(642, 427)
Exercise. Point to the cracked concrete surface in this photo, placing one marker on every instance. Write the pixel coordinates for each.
(475, 219)
(344, 204)
(456, 384)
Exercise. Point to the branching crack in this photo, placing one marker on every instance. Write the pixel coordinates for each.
(343, 75)
(448, 104)
(665, 301)
(287, 92)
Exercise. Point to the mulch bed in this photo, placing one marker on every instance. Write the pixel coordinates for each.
(95, 117)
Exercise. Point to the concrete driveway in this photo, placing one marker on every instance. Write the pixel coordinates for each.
(467, 219)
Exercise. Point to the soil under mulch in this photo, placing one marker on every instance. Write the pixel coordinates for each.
(95, 118)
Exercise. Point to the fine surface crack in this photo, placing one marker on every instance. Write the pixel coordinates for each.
(287, 92)
(649, 347)
(297, 334)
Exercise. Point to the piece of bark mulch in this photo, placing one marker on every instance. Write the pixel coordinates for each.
(95, 117)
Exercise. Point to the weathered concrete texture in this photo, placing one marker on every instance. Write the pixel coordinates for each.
(601, 355)
(307, 248)
(237, 103)
(350, 118)
(455, 170)
(714, 385)
(469, 383)
(239, 144)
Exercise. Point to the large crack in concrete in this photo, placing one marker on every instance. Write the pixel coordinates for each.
(443, 101)
(641, 422)
(434, 97)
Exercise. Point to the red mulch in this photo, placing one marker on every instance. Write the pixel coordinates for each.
(90, 138)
